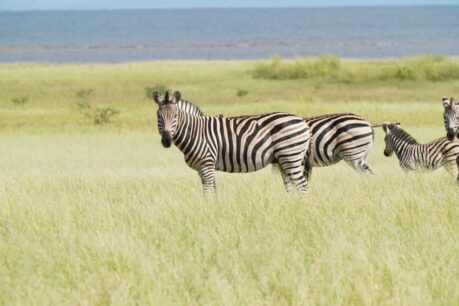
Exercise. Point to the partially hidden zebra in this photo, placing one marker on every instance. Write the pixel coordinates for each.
(234, 144)
(414, 156)
(341, 136)
(451, 117)
(335, 137)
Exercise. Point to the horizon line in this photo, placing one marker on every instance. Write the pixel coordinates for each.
(229, 7)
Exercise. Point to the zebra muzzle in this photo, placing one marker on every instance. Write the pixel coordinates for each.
(166, 140)
(450, 134)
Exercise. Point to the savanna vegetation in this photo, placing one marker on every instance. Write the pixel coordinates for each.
(94, 211)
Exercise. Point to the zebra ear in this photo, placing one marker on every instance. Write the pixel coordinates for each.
(384, 127)
(176, 97)
(446, 102)
(166, 97)
(156, 97)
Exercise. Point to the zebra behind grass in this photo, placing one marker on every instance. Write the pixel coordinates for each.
(337, 137)
(451, 117)
(413, 156)
(234, 144)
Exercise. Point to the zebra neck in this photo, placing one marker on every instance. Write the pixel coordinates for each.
(409, 152)
(189, 131)
(402, 148)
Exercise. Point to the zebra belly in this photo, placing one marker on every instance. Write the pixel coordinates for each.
(244, 162)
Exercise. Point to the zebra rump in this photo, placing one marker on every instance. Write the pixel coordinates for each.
(341, 136)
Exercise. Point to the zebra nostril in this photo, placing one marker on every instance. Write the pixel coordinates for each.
(166, 141)
(450, 134)
(168, 133)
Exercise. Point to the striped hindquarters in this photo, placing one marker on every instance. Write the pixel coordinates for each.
(435, 153)
(340, 136)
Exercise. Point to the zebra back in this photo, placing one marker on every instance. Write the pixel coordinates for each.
(340, 136)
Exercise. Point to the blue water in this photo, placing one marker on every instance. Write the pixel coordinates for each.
(137, 35)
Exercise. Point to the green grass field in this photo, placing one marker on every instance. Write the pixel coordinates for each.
(99, 214)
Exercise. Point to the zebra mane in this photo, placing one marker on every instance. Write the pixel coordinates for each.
(400, 133)
(190, 108)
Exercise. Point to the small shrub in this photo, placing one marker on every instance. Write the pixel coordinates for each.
(84, 93)
(158, 87)
(103, 115)
(20, 101)
(242, 92)
(100, 115)
(83, 105)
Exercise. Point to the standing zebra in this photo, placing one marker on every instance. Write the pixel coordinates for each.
(451, 117)
(235, 144)
(413, 156)
(337, 137)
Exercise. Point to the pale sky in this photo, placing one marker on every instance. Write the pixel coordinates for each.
(152, 4)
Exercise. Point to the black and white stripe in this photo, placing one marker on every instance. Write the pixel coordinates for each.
(335, 137)
(235, 144)
(339, 137)
(415, 156)
(451, 117)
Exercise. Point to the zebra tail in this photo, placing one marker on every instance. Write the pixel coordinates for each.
(309, 160)
(375, 125)
(457, 162)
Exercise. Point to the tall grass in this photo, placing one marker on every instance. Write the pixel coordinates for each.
(331, 68)
(109, 218)
(93, 214)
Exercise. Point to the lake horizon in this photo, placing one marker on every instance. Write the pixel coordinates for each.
(131, 35)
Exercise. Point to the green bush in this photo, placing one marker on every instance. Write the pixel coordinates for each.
(99, 115)
(103, 115)
(20, 101)
(426, 68)
(84, 93)
(242, 92)
(324, 66)
(329, 68)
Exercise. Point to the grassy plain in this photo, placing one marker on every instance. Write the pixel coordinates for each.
(98, 214)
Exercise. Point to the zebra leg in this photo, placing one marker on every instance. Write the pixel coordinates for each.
(287, 183)
(360, 165)
(207, 175)
(275, 168)
(452, 166)
(294, 174)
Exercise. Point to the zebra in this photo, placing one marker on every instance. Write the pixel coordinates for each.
(451, 117)
(414, 156)
(335, 137)
(234, 144)
(341, 136)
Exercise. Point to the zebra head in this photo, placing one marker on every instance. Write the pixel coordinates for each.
(451, 117)
(167, 116)
(388, 129)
